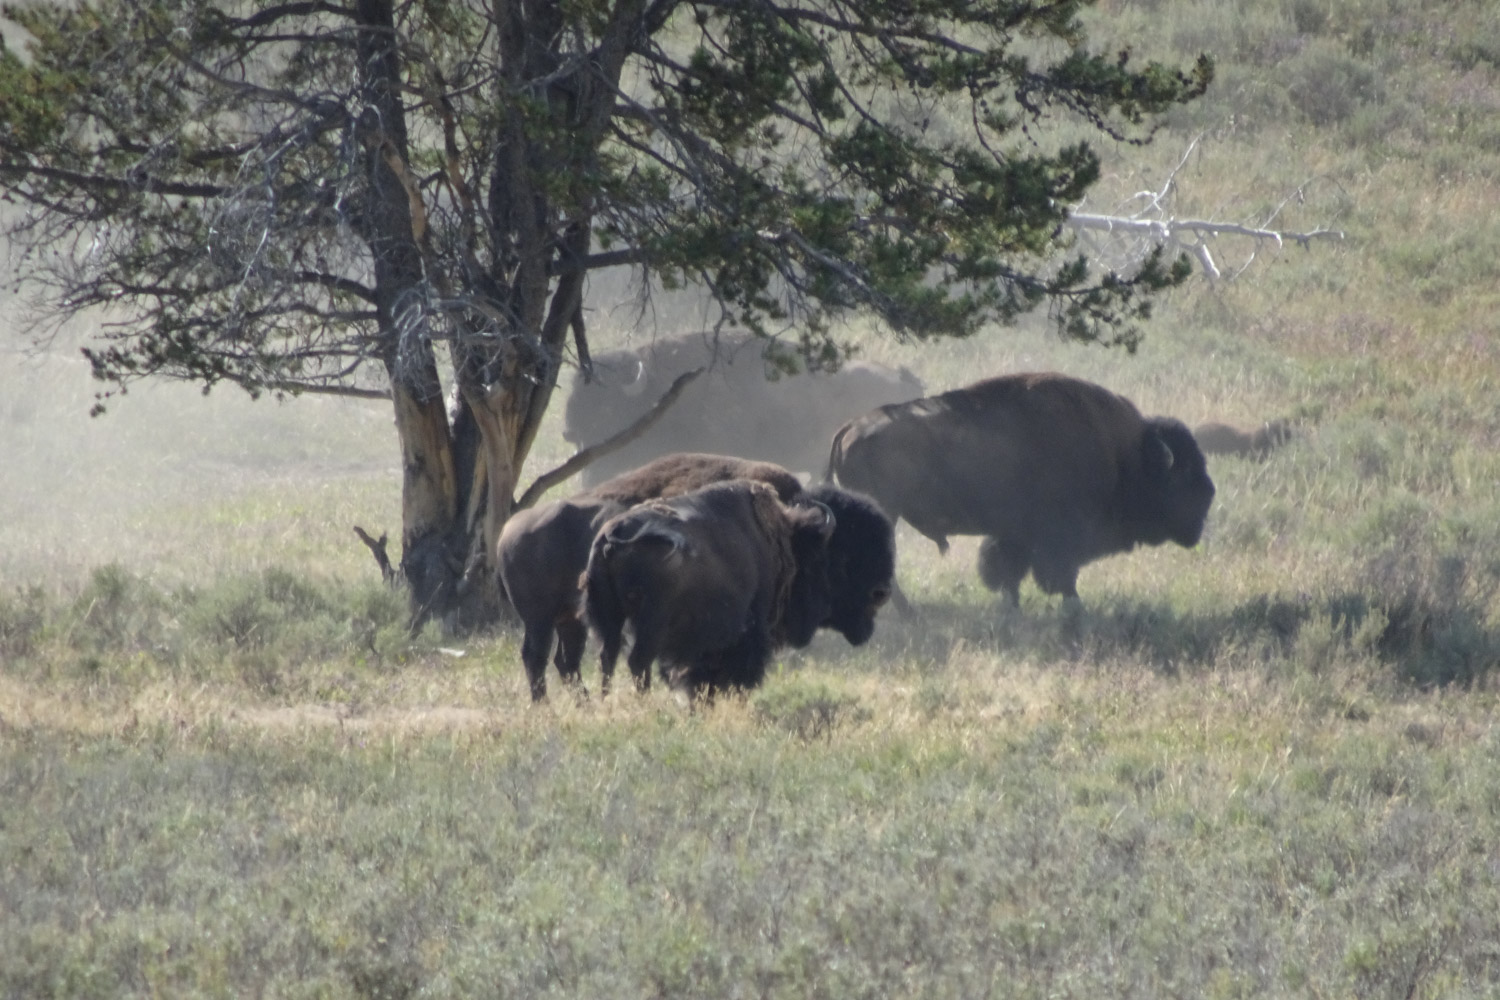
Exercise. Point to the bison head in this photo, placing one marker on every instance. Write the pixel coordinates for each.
(606, 398)
(861, 562)
(1173, 501)
(807, 603)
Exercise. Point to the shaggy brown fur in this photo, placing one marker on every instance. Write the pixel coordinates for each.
(543, 550)
(1055, 471)
(706, 580)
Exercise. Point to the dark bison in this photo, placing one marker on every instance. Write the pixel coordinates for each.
(1243, 442)
(714, 581)
(1055, 472)
(543, 551)
(731, 409)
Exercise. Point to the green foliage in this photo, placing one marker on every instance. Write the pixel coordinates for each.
(768, 153)
(116, 612)
(1328, 85)
(23, 616)
(272, 628)
(808, 712)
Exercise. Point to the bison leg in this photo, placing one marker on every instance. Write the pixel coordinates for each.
(571, 636)
(642, 655)
(1056, 576)
(536, 643)
(609, 653)
(1002, 566)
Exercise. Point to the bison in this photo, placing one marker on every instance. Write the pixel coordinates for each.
(732, 409)
(1054, 471)
(1255, 443)
(542, 551)
(714, 581)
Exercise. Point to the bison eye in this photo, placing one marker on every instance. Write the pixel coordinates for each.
(880, 595)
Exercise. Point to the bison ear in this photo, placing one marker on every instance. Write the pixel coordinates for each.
(1156, 453)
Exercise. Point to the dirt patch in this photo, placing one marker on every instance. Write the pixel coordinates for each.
(429, 719)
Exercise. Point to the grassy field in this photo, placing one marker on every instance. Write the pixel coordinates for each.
(1268, 766)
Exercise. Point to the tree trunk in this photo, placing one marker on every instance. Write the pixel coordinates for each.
(488, 507)
(429, 505)
(396, 231)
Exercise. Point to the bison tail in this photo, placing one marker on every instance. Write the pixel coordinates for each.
(603, 605)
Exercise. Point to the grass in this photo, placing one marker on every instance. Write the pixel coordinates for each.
(1263, 767)
(1029, 830)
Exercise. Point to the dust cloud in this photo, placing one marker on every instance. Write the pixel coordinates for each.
(78, 491)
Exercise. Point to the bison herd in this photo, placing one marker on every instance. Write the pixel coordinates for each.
(713, 558)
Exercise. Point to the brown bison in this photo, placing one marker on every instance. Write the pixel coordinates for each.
(1055, 472)
(714, 581)
(1255, 443)
(732, 408)
(543, 551)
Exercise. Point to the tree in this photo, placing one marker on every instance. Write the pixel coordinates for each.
(350, 195)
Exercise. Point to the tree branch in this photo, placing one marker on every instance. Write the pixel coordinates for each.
(14, 170)
(355, 392)
(377, 549)
(586, 456)
(1175, 232)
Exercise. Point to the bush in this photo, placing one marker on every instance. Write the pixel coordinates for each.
(116, 611)
(807, 711)
(120, 625)
(1328, 85)
(23, 616)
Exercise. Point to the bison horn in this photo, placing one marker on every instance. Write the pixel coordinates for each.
(1167, 458)
(829, 521)
(636, 385)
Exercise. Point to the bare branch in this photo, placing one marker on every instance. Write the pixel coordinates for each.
(14, 171)
(377, 549)
(586, 456)
(1153, 225)
(353, 392)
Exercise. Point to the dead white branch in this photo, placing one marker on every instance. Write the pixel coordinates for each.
(1192, 235)
(1132, 235)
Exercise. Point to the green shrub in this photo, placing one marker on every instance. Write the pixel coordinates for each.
(261, 628)
(807, 711)
(116, 611)
(24, 614)
(1327, 84)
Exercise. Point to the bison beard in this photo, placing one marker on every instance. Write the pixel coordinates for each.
(711, 582)
(543, 551)
(1056, 472)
